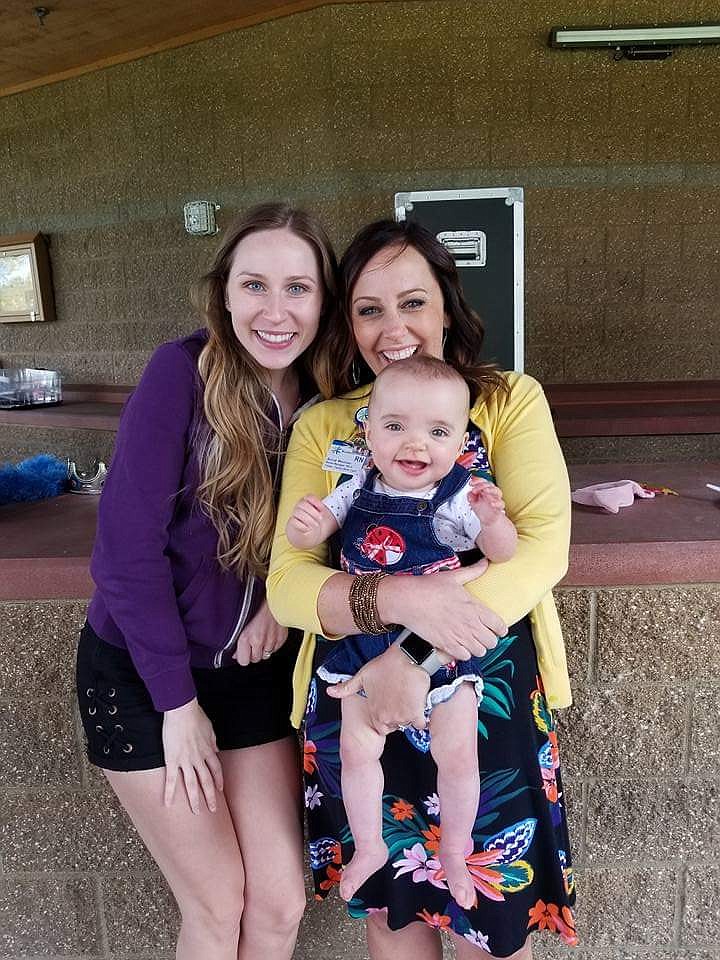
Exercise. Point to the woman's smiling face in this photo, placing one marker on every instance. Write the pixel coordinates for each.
(274, 294)
(397, 308)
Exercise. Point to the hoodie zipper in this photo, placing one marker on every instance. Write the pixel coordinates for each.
(217, 662)
(279, 456)
(247, 597)
(285, 427)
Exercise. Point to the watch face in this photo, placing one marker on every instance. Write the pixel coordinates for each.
(416, 648)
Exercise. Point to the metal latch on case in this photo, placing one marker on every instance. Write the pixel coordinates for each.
(469, 247)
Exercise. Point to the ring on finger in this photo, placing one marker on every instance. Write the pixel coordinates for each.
(266, 654)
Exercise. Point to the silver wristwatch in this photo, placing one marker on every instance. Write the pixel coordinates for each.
(419, 652)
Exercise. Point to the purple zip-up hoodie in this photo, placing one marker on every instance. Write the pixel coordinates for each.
(160, 591)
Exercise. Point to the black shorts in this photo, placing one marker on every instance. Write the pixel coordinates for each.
(247, 706)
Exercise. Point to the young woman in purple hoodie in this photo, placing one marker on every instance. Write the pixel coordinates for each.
(183, 675)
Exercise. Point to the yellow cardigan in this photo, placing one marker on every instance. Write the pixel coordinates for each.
(528, 466)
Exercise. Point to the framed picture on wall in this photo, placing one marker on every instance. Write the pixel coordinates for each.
(26, 293)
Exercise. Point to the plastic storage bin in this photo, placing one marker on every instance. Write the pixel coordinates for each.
(29, 388)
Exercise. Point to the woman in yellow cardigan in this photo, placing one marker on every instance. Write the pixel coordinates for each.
(402, 296)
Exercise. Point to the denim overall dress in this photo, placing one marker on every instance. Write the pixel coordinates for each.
(397, 535)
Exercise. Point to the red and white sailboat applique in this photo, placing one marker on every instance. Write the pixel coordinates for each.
(383, 545)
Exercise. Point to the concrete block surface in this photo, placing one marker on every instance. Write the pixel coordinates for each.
(140, 914)
(38, 744)
(701, 922)
(641, 820)
(574, 612)
(705, 730)
(619, 730)
(38, 641)
(625, 907)
(51, 831)
(654, 634)
(41, 917)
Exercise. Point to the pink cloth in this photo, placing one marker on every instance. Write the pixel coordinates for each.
(610, 496)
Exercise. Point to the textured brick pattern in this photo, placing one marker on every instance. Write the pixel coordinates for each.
(640, 751)
(660, 449)
(640, 755)
(597, 736)
(341, 107)
(338, 109)
(701, 925)
(705, 730)
(574, 607)
(36, 746)
(48, 917)
(630, 625)
(83, 446)
(627, 906)
(141, 915)
(628, 818)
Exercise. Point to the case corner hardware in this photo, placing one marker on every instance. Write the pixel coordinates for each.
(403, 206)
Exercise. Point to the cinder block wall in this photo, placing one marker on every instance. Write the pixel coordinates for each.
(341, 107)
(641, 752)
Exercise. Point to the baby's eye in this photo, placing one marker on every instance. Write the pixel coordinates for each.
(393, 426)
(440, 432)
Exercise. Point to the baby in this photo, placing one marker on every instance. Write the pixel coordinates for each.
(409, 514)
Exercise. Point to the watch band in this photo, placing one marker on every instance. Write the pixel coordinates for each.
(431, 664)
(419, 652)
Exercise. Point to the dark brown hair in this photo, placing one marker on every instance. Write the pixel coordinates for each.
(464, 335)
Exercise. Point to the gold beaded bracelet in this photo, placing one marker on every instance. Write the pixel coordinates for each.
(363, 602)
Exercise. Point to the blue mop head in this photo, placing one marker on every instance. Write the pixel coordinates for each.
(34, 479)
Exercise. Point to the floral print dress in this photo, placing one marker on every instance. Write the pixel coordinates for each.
(519, 857)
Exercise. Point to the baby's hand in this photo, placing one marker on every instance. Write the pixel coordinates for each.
(305, 526)
(486, 500)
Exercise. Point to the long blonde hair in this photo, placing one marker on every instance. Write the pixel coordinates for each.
(236, 485)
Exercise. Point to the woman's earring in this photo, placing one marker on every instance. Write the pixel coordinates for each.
(355, 372)
(444, 339)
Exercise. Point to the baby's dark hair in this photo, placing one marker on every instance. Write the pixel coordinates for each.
(422, 367)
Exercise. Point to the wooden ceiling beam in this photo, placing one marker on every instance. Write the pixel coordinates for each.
(30, 42)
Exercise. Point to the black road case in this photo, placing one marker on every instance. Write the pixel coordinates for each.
(484, 231)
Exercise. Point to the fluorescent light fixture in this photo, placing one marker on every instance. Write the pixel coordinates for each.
(681, 34)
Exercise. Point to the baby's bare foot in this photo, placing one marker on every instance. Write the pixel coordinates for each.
(365, 861)
(459, 879)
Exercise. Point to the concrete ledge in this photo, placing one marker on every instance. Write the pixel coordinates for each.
(46, 546)
(669, 539)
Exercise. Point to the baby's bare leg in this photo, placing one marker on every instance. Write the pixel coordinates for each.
(453, 742)
(362, 786)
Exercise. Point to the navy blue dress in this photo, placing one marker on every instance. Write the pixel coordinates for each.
(520, 856)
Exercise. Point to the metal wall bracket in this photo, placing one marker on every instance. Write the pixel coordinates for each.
(91, 481)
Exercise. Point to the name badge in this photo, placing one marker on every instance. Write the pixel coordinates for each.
(345, 457)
